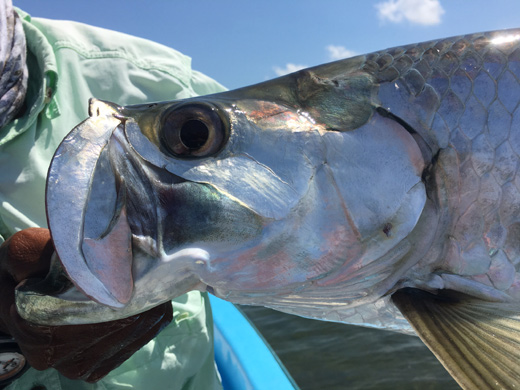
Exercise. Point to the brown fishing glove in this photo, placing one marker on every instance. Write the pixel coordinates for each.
(87, 352)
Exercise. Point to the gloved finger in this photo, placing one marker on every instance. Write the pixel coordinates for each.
(45, 347)
(33, 340)
(27, 254)
(103, 368)
(107, 353)
(7, 285)
(75, 350)
(71, 349)
(59, 347)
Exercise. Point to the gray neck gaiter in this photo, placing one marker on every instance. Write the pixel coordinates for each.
(13, 67)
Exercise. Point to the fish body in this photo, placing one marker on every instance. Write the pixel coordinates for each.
(379, 190)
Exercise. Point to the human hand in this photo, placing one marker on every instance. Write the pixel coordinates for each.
(86, 352)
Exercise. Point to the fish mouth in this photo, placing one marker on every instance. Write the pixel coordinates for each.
(95, 182)
(70, 177)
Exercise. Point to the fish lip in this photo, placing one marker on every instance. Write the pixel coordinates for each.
(68, 181)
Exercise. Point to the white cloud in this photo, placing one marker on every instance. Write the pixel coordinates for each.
(339, 52)
(425, 12)
(289, 68)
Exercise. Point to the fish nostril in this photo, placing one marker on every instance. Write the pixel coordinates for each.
(387, 229)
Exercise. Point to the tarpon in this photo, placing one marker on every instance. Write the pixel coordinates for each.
(379, 190)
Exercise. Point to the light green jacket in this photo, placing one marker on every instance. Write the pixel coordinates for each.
(69, 63)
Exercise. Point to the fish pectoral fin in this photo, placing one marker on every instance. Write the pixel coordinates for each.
(477, 342)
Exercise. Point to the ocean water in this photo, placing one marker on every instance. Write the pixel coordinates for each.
(329, 356)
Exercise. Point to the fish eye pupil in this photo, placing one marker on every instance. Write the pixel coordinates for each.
(194, 134)
(192, 131)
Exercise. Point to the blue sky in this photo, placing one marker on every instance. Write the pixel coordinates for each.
(244, 42)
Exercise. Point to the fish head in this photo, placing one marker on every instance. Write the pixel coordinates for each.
(259, 195)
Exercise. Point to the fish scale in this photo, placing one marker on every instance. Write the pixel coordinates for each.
(469, 92)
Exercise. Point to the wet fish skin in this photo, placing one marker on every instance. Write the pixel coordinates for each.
(358, 183)
(416, 85)
(459, 99)
(461, 96)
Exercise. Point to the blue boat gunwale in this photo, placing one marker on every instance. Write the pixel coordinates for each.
(244, 358)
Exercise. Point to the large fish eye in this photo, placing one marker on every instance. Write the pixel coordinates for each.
(193, 130)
